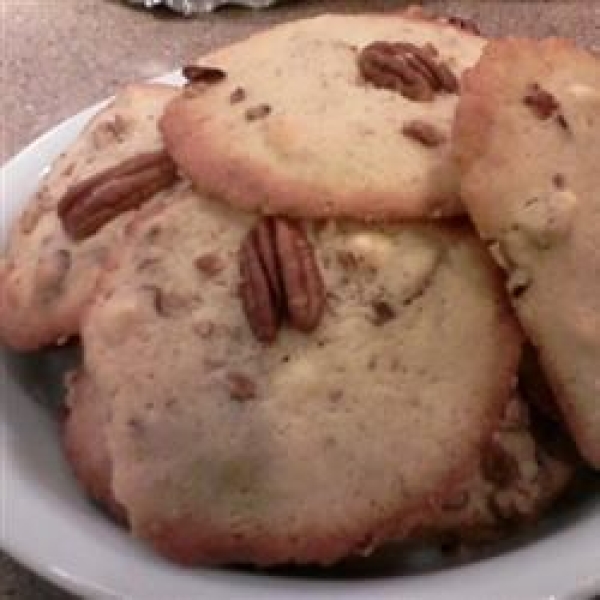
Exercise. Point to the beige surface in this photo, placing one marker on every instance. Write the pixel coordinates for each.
(58, 56)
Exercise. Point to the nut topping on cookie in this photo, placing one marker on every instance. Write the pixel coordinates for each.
(541, 102)
(383, 313)
(200, 74)
(90, 204)
(210, 264)
(280, 277)
(241, 387)
(400, 66)
(465, 24)
(238, 95)
(498, 466)
(258, 112)
(424, 132)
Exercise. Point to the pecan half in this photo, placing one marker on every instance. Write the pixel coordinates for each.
(541, 102)
(279, 278)
(89, 205)
(404, 67)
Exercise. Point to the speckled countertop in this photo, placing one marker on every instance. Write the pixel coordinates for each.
(59, 56)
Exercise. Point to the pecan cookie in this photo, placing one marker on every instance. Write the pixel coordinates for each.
(58, 246)
(526, 139)
(289, 390)
(331, 116)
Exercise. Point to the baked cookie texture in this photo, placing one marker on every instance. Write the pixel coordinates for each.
(46, 276)
(302, 122)
(526, 465)
(317, 445)
(84, 442)
(525, 140)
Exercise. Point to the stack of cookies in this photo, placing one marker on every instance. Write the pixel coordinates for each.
(338, 290)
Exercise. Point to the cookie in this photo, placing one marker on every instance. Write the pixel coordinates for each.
(294, 391)
(85, 445)
(526, 135)
(525, 467)
(337, 115)
(57, 247)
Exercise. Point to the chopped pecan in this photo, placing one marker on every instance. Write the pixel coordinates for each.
(559, 181)
(541, 102)
(238, 95)
(382, 313)
(498, 466)
(279, 278)
(210, 264)
(464, 24)
(424, 132)
(257, 112)
(241, 387)
(89, 205)
(200, 74)
(414, 72)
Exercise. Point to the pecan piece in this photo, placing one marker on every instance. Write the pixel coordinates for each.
(257, 112)
(382, 313)
(424, 132)
(200, 74)
(241, 387)
(238, 95)
(89, 205)
(541, 102)
(498, 466)
(464, 24)
(404, 67)
(279, 278)
(210, 264)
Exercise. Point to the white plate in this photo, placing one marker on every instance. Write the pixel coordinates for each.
(47, 525)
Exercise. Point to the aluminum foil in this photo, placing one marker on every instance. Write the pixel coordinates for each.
(191, 7)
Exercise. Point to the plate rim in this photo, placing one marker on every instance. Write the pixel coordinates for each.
(382, 589)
